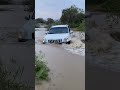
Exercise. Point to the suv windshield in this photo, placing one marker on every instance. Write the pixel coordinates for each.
(58, 30)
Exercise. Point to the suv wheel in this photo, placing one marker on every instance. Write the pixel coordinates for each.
(43, 42)
(69, 42)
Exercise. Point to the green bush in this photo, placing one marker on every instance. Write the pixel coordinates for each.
(41, 69)
(72, 16)
(82, 26)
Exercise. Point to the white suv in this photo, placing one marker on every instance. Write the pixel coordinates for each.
(58, 34)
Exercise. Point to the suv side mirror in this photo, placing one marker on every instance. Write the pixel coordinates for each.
(46, 33)
(71, 32)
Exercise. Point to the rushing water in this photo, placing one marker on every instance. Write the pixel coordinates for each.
(67, 69)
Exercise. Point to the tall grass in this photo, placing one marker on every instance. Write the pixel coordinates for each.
(41, 69)
(8, 79)
(82, 26)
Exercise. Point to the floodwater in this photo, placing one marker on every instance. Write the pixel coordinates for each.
(67, 70)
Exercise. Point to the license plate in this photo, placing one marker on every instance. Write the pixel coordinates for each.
(54, 41)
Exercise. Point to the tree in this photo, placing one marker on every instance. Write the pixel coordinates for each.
(72, 16)
(82, 26)
(57, 22)
(50, 21)
(40, 20)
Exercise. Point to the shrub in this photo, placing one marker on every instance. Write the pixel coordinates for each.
(41, 69)
(82, 26)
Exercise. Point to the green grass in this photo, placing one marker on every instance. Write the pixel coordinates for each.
(81, 26)
(41, 69)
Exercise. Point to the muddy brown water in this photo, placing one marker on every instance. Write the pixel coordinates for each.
(67, 70)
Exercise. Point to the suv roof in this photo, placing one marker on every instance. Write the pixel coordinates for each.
(60, 26)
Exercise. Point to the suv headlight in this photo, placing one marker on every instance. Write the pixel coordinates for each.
(44, 40)
(65, 39)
